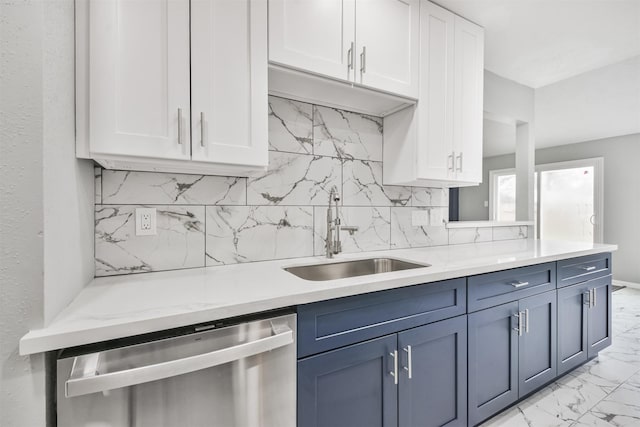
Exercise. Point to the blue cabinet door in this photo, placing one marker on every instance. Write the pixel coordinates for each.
(537, 345)
(599, 335)
(433, 374)
(349, 387)
(573, 305)
(493, 361)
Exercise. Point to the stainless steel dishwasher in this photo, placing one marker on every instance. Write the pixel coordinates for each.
(242, 375)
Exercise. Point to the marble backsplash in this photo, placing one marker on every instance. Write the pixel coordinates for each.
(215, 220)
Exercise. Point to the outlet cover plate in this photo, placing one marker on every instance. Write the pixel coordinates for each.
(146, 222)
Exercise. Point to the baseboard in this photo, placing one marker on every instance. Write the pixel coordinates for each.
(627, 284)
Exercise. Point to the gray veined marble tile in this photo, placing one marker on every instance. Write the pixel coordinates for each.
(97, 173)
(255, 233)
(372, 235)
(620, 408)
(510, 233)
(154, 188)
(295, 179)
(362, 186)
(405, 235)
(429, 196)
(290, 126)
(459, 236)
(179, 242)
(346, 135)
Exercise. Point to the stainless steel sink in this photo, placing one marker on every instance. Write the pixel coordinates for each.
(360, 267)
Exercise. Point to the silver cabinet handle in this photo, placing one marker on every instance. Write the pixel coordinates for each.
(351, 56)
(526, 320)
(408, 368)
(519, 328)
(363, 60)
(519, 284)
(394, 373)
(587, 268)
(595, 297)
(588, 298)
(85, 379)
(459, 158)
(450, 161)
(179, 126)
(202, 128)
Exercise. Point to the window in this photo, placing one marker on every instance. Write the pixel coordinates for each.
(568, 199)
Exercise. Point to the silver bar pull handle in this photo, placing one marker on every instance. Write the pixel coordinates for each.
(526, 320)
(595, 297)
(587, 296)
(587, 268)
(459, 158)
(350, 56)
(519, 284)
(363, 60)
(394, 373)
(408, 368)
(202, 129)
(179, 126)
(519, 328)
(450, 161)
(81, 382)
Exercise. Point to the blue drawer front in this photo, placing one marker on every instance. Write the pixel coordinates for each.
(335, 323)
(576, 270)
(491, 289)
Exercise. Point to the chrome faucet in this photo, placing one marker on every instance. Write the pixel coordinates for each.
(333, 243)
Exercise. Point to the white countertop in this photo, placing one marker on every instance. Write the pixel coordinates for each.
(481, 224)
(121, 306)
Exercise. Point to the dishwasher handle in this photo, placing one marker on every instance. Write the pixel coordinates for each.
(85, 380)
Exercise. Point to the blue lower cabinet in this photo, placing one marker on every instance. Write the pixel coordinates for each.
(599, 328)
(433, 374)
(493, 360)
(349, 387)
(537, 354)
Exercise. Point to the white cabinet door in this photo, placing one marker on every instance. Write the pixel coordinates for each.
(435, 120)
(229, 81)
(139, 68)
(467, 100)
(387, 40)
(313, 35)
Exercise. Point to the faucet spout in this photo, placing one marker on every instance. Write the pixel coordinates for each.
(333, 243)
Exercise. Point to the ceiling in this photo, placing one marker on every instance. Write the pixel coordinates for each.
(539, 42)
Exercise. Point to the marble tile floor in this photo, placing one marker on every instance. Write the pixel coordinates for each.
(604, 392)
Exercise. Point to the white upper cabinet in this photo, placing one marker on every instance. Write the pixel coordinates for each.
(439, 142)
(359, 44)
(172, 85)
(467, 101)
(139, 78)
(387, 33)
(313, 35)
(229, 81)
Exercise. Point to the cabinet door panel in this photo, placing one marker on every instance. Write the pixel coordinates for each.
(600, 316)
(467, 100)
(139, 78)
(537, 345)
(312, 35)
(389, 31)
(229, 81)
(493, 361)
(435, 115)
(572, 327)
(436, 393)
(349, 387)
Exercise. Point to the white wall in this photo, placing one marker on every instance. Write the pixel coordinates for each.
(621, 196)
(507, 99)
(598, 104)
(46, 229)
(68, 182)
(22, 400)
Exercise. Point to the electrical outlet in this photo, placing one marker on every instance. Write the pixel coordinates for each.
(419, 218)
(486, 203)
(146, 222)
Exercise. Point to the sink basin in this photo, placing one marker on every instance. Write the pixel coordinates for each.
(360, 267)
